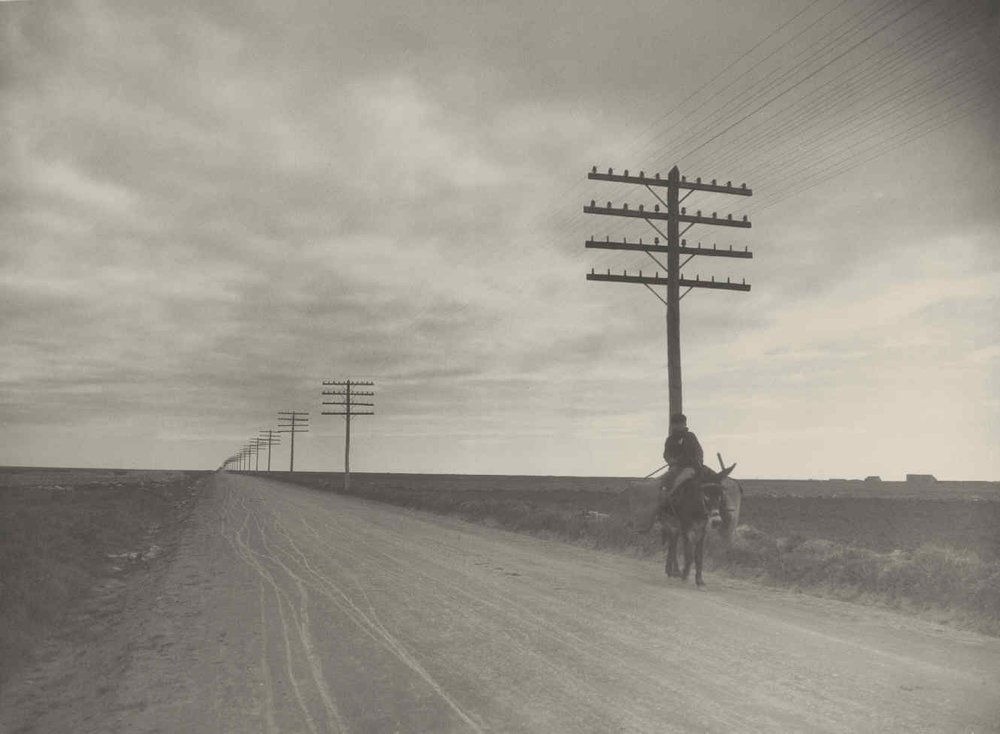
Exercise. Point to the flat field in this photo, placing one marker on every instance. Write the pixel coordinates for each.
(70, 538)
(882, 516)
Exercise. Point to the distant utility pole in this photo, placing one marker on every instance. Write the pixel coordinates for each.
(674, 215)
(348, 407)
(269, 438)
(256, 453)
(293, 421)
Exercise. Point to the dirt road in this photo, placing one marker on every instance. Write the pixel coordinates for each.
(289, 610)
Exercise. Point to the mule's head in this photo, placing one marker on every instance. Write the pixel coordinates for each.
(715, 504)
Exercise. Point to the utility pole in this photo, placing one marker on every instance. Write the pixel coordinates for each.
(256, 453)
(348, 407)
(271, 440)
(673, 279)
(293, 421)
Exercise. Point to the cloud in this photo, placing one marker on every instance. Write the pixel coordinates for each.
(209, 209)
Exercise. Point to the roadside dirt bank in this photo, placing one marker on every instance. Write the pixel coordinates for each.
(93, 563)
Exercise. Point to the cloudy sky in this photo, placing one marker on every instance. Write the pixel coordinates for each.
(208, 208)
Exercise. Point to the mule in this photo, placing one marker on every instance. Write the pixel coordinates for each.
(688, 514)
(646, 506)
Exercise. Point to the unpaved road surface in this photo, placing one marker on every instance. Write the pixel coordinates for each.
(289, 610)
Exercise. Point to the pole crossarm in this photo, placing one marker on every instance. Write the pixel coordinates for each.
(655, 180)
(293, 422)
(345, 383)
(344, 392)
(352, 413)
(641, 213)
(658, 280)
(344, 402)
(684, 249)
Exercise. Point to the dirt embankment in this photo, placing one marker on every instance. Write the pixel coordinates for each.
(74, 544)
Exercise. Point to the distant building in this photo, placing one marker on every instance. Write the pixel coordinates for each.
(872, 479)
(921, 480)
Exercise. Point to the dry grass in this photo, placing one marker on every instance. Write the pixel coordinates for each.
(56, 537)
(932, 576)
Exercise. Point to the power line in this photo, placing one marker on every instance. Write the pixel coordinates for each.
(807, 77)
(819, 100)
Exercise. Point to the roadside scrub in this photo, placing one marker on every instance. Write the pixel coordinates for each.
(931, 577)
(958, 583)
(58, 542)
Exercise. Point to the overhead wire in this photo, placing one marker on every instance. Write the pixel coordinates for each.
(825, 176)
(761, 61)
(818, 101)
(894, 107)
(808, 77)
(925, 87)
(855, 21)
(748, 97)
(703, 88)
(967, 77)
(874, 152)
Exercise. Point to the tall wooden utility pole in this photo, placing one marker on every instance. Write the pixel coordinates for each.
(348, 407)
(251, 454)
(674, 216)
(269, 438)
(293, 421)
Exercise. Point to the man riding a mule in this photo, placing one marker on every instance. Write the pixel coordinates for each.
(690, 499)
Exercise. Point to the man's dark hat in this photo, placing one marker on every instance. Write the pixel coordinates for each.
(677, 419)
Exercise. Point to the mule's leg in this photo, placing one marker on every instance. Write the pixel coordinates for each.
(687, 554)
(673, 568)
(699, 552)
(670, 543)
(666, 538)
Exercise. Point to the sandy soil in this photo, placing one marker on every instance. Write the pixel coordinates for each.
(287, 610)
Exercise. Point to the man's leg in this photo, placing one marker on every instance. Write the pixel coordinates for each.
(682, 476)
